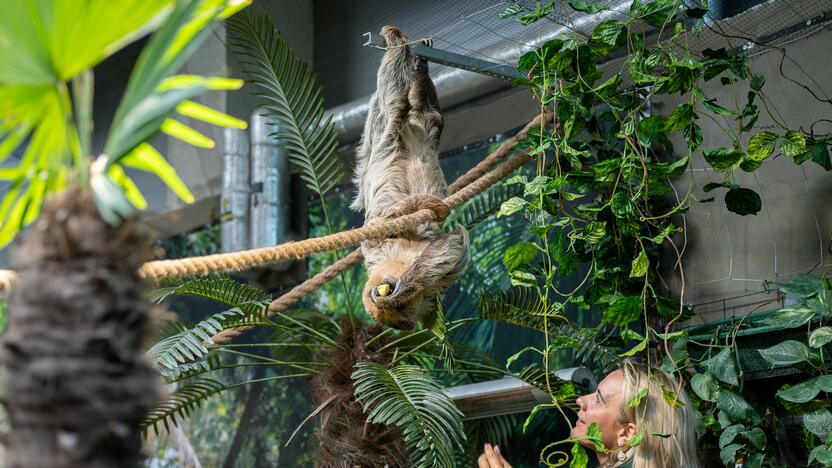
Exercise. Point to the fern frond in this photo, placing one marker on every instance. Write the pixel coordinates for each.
(519, 306)
(180, 404)
(565, 391)
(187, 346)
(250, 300)
(587, 350)
(187, 370)
(406, 397)
(495, 430)
(293, 99)
(483, 205)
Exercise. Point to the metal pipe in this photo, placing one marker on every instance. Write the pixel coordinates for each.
(234, 201)
(510, 395)
(270, 190)
(456, 86)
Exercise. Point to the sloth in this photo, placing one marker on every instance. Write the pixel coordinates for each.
(397, 171)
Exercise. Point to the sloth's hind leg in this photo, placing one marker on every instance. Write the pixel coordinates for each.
(424, 102)
(394, 80)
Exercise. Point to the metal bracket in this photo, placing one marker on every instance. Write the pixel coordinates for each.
(443, 57)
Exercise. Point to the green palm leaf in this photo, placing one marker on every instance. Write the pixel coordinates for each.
(188, 346)
(520, 306)
(250, 300)
(180, 404)
(291, 96)
(406, 397)
(46, 47)
(587, 350)
(483, 206)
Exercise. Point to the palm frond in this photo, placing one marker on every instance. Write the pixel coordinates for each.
(252, 301)
(293, 99)
(300, 333)
(520, 306)
(496, 430)
(180, 404)
(406, 397)
(47, 46)
(563, 390)
(208, 363)
(587, 350)
(188, 345)
(483, 206)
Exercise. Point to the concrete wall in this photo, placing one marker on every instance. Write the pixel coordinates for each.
(728, 255)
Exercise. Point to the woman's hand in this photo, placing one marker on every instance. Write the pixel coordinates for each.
(491, 458)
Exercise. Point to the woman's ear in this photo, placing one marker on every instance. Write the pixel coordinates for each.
(626, 432)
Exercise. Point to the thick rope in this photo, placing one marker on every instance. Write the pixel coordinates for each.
(238, 261)
(292, 297)
(297, 293)
(504, 149)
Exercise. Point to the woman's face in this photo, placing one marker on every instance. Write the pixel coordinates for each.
(603, 407)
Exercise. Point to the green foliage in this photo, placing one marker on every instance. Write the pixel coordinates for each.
(180, 404)
(250, 300)
(602, 198)
(292, 98)
(405, 396)
(519, 306)
(47, 48)
(483, 206)
(188, 345)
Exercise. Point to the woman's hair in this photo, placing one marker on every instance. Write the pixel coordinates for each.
(669, 430)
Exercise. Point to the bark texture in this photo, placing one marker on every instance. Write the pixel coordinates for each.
(76, 383)
(346, 440)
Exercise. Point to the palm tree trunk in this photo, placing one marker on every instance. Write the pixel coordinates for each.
(77, 385)
(346, 439)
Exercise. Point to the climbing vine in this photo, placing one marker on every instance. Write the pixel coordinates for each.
(602, 204)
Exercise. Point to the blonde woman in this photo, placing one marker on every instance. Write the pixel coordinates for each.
(668, 430)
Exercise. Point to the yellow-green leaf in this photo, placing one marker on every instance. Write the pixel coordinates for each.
(761, 145)
(117, 175)
(214, 83)
(635, 349)
(206, 114)
(145, 158)
(185, 133)
(639, 266)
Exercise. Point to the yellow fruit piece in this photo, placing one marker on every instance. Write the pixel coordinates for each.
(383, 289)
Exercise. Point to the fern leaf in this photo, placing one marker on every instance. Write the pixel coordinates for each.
(406, 397)
(187, 345)
(180, 404)
(187, 370)
(250, 300)
(483, 206)
(519, 306)
(292, 98)
(565, 391)
(495, 430)
(587, 350)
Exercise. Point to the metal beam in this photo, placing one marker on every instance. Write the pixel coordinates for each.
(443, 57)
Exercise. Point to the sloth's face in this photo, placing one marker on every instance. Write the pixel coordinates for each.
(390, 300)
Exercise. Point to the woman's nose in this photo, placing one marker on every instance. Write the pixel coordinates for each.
(580, 401)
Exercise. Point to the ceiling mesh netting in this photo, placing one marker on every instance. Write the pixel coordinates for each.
(474, 28)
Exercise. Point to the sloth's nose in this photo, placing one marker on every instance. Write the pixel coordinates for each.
(387, 287)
